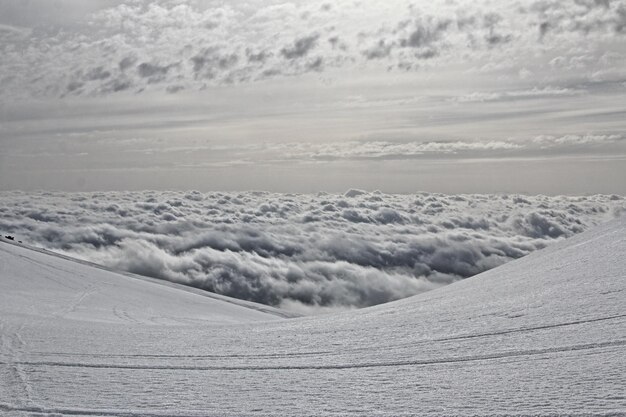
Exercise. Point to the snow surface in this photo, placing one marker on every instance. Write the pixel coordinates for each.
(542, 335)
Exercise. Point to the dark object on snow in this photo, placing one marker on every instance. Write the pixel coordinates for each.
(10, 237)
(19, 241)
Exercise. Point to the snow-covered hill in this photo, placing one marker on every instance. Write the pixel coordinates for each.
(545, 334)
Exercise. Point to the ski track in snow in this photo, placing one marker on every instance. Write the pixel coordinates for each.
(543, 335)
(339, 366)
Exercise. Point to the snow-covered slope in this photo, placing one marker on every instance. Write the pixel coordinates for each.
(40, 284)
(542, 335)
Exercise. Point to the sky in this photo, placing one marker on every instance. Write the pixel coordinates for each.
(447, 96)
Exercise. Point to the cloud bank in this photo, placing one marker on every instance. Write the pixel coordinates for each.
(303, 252)
(175, 45)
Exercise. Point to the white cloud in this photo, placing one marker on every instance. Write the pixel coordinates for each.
(535, 92)
(383, 149)
(548, 141)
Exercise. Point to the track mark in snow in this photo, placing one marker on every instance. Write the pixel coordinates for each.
(123, 315)
(320, 352)
(74, 304)
(166, 356)
(530, 329)
(4, 407)
(11, 346)
(90, 291)
(418, 362)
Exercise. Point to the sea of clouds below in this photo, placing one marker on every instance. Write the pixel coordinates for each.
(305, 252)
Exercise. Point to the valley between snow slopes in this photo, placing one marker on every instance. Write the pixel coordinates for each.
(542, 335)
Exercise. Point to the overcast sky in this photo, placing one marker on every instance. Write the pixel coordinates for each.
(302, 96)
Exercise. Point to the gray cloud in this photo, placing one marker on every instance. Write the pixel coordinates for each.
(260, 56)
(300, 47)
(117, 85)
(301, 251)
(127, 62)
(425, 33)
(491, 22)
(98, 73)
(211, 62)
(210, 42)
(154, 71)
(380, 50)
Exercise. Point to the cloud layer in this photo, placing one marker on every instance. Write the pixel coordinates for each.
(174, 45)
(367, 150)
(303, 252)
